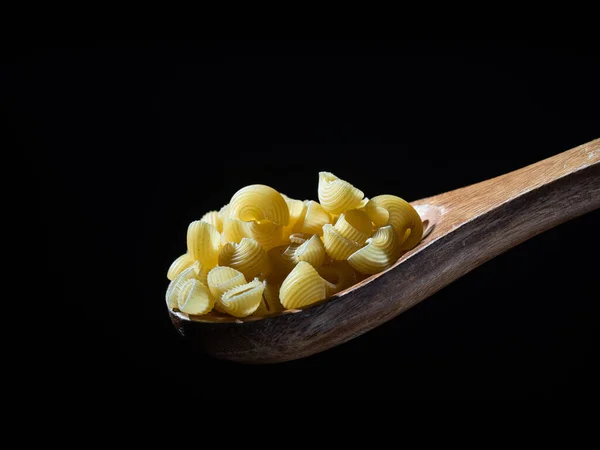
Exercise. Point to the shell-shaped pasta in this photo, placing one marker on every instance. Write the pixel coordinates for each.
(234, 230)
(311, 251)
(381, 251)
(259, 202)
(339, 275)
(195, 298)
(299, 238)
(221, 279)
(224, 212)
(302, 287)
(338, 247)
(315, 218)
(363, 203)
(271, 294)
(248, 257)
(282, 259)
(391, 210)
(336, 195)
(241, 301)
(203, 242)
(179, 265)
(213, 218)
(267, 233)
(174, 288)
(297, 209)
(354, 225)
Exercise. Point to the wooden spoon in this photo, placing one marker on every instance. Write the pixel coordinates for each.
(465, 228)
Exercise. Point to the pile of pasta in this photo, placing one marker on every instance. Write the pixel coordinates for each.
(264, 252)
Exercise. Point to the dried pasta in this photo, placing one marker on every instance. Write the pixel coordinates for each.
(241, 301)
(391, 210)
(203, 242)
(214, 219)
(302, 287)
(336, 195)
(381, 251)
(337, 246)
(248, 257)
(195, 298)
(315, 218)
(264, 252)
(259, 202)
(179, 265)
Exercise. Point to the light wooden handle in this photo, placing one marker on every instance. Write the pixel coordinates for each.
(557, 189)
(498, 214)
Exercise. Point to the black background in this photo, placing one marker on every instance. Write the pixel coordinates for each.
(130, 141)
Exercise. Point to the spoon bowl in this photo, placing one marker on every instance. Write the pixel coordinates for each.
(462, 229)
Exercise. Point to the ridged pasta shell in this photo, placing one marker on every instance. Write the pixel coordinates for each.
(315, 218)
(259, 202)
(213, 218)
(302, 287)
(195, 298)
(203, 242)
(381, 251)
(392, 210)
(267, 233)
(221, 279)
(174, 288)
(179, 265)
(296, 208)
(234, 230)
(282, 260)
(338, 247)
(339, 275)
(299, 238)
(224, 212)
(312, 251)
(354, 225)
(248, 257)
(336, 195)
(241, 301)
(271, 294)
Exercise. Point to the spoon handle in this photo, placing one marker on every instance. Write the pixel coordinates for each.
(506, 210)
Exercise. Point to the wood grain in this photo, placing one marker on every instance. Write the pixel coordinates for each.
(468, 227)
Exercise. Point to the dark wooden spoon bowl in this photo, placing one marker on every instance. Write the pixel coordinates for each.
(463, 229)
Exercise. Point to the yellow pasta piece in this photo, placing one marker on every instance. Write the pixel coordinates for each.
(203, 242)
(234, 230)
(381, 251)
(224, 213)
(174, 288)
(248, 257)
(311, 251)
(299, 238)
(363, 203)
(271, 294)
(297, 210)
(213, 218)
(241, 301)
(336, 195)
(339, 275)
(267, 233)
(391, 210)
(222, 279)
(315, 218)
(259, 202)
(282, 260)
(195, 298)
(302, 287)
(354, 225)
(179, 265)
(338, 247)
